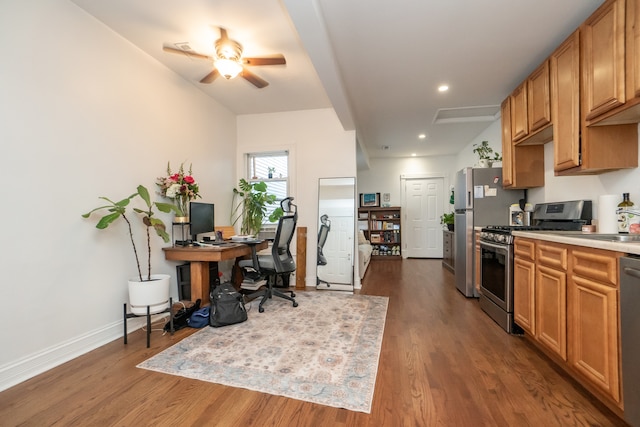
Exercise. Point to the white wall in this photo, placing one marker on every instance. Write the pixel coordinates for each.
(319, 148)
(383, 175)
(83, 113)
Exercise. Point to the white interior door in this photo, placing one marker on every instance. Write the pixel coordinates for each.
(422, 231)
(338, 250)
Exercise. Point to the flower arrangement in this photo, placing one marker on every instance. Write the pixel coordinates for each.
(179, 187)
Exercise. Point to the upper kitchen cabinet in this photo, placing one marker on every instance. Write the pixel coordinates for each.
(578, 148)
(612, 63)
(604, 59)
(522, 165)
(565, 83)
(531, 108)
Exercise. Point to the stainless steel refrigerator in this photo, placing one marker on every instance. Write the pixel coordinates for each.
(479, 200)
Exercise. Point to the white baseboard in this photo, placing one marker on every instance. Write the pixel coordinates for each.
(335, 287)
(28, 367)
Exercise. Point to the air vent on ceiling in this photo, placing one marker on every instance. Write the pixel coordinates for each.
(484, 113)
(385, 148)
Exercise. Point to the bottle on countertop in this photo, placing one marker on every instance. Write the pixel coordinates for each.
(623, 215)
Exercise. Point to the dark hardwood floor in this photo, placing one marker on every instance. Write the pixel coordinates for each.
(443, 362)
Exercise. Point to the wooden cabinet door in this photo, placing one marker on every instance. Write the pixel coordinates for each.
(524, 303)
(604, 59)
(507, 143)
(478, 264)
(539, 98)
(565, 89)
(551, 309)
(522, 166)
(593, 333)
(633, 49)
(519, 117)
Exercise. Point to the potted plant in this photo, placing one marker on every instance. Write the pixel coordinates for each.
(150, 289)
(271, 170)
(447, 219)
(249, 206)
(486, 154)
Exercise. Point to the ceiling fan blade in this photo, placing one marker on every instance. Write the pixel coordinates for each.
(267, 60)
(186, 52)
(223, 34)
(253, 79)
(210, 77)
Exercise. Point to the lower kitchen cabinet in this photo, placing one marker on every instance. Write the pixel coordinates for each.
(524, 280)
(566, 298)
(524, 294)
(448, 252)
(593, 327)
(551, 297)
(478, 263)
(551, 309)
(594, 334)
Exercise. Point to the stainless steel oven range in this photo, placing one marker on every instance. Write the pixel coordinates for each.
(496, 248)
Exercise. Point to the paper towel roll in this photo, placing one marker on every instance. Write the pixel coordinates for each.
(607, 216)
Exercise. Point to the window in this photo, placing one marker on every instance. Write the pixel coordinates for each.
(259, 166)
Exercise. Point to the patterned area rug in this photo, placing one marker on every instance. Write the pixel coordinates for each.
(325, 351)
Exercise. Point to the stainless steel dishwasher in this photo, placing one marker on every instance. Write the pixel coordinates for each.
(630, 336)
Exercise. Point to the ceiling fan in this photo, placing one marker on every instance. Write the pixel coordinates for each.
(228, 60)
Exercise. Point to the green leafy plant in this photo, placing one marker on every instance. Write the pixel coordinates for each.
(485, 152)
(249, 206)
(447, 218)
(118, 210)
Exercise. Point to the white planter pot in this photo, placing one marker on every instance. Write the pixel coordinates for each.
(484, 163)
(153, 293)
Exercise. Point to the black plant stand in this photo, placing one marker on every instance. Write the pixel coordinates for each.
(131, 315)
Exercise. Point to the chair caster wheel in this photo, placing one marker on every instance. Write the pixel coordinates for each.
(295, 304)
(293, 295)
(261, 309)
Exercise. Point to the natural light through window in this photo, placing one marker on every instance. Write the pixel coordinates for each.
(273, 169)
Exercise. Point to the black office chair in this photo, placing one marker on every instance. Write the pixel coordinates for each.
(280, 262)
(325, 227)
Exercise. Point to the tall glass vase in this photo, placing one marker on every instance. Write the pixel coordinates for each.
(183, 205)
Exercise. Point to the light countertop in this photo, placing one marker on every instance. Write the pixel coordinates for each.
(579, 238)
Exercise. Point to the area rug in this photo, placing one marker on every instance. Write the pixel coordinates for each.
(324, 351)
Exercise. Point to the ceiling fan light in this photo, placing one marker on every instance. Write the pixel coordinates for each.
(228, 68)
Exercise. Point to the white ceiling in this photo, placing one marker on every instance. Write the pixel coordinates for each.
(377, 63)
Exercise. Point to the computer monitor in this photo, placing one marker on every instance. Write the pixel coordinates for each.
(201, 219)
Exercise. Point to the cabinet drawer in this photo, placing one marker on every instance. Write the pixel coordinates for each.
(599, 265)
(551, 255)
(524, 248)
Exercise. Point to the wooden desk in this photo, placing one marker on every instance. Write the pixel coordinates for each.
(201, 256)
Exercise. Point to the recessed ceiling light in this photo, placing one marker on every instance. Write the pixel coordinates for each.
(413, 154)
(443, 88)
(422, 136)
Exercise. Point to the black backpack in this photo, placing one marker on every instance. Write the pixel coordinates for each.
(227, 306)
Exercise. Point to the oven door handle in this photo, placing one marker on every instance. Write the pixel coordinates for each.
(498, 248)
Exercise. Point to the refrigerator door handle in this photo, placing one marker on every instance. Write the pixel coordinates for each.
(468, 198)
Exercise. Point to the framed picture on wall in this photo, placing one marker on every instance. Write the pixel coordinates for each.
(369, 200)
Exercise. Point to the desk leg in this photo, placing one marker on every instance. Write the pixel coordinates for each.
(200, 281)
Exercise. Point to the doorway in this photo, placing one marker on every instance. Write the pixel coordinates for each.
(423, 205)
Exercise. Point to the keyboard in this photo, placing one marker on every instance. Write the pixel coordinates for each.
(212, 243)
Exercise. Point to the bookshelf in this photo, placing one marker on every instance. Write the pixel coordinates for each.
(381, 227)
